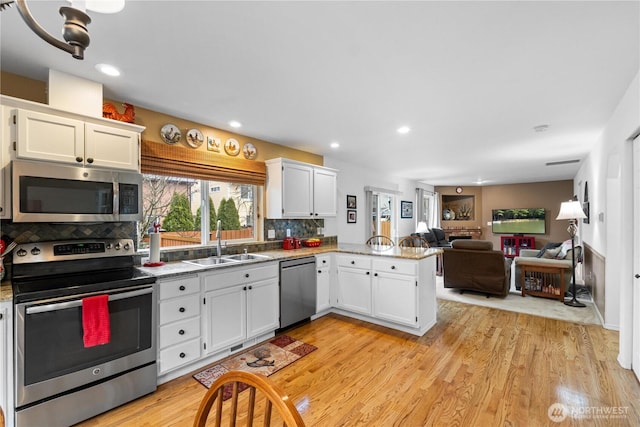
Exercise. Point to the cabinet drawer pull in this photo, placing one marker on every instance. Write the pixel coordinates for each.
(182, 309)
(182, 288)
(393, 267)
(182, 355)
(353, 262)
(319, 271)
(246, 275)
(324, 261)
(181, 331)
(79, 159)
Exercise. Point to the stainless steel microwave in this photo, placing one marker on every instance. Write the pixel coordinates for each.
(47, 192)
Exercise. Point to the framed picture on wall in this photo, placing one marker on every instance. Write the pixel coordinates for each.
(406, 209)
(351, 202)
(351, 216)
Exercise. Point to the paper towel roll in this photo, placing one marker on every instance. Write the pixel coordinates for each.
(154, 247)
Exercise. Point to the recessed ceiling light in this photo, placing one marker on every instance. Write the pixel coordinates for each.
(404, 129)
(235, 124)
(107, 69)
(334, 145)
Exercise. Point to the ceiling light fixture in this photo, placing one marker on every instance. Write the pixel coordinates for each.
(74, 31)
(335, 145)
(107, 69)
(235, 124)
(541, 128)
(404, 130)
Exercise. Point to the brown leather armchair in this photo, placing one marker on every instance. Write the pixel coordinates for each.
(474, 265)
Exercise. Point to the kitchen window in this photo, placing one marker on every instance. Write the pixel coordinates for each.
(178, 205)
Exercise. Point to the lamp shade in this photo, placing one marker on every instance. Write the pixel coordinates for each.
(422, 227)
(571, 210)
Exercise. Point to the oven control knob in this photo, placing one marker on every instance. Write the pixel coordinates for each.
(127, 246)
(96, 371)
(117, 246)
(35, 251)
(21, 252)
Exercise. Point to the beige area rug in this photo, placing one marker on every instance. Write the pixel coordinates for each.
(536, 306)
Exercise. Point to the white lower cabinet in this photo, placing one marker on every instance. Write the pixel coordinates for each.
(180, 320)
(323, 283)
(395, 291)
(240, 303)
(354, 283)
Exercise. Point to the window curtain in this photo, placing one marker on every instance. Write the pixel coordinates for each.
(434, 221)
(163, 159)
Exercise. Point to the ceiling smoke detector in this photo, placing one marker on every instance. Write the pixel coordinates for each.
(541, 128)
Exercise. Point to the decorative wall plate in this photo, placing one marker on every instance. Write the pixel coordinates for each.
(170, 133)
(249, 150)
(194, 138)
(232, 147)
(213, 144)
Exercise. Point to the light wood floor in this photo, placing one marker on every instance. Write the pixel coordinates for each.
(477, 367)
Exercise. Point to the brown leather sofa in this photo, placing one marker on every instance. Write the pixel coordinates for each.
(473, 265)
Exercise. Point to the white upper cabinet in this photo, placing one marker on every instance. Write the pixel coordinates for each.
(300, 190)
(48, 137)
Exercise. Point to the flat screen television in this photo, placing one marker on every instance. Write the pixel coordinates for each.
(518, 221)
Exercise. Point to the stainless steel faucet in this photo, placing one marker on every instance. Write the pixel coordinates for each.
(219, 238)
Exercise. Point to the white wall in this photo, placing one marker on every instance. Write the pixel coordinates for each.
(351, 181)
(608, 170)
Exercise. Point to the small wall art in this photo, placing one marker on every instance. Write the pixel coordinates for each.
(213, 144)
(351, 216)
(406, 209)
(351, 202)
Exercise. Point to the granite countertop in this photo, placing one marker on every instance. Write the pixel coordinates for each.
(180, 268)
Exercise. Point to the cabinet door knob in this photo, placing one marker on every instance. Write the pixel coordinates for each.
(89, 160)
(250, 287)
(324, 261)
(181, 331)
(637, 276)
(246, 275)
(319, 271)
(181, 310)
(393, 267)
(376, 274)
(79, 159)
(244, 288)
(353, 262)
(182, 355)
(182, 288)
(368, 273)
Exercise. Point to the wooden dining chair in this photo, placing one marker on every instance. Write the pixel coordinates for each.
(274, 398)
(413, 242)
(380, 240)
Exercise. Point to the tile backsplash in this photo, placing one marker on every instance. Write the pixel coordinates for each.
(303, 228)
(29, 232)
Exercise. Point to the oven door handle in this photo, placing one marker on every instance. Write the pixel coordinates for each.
(77, 303)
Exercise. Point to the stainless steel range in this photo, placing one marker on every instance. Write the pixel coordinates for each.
(60, 380)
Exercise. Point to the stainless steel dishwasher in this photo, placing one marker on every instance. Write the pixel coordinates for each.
(297, 290)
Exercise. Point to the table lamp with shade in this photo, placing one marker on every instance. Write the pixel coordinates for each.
(422, 227)
(572, 211)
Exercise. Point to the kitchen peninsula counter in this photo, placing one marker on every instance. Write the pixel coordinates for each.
(6, 292)
(179, 267)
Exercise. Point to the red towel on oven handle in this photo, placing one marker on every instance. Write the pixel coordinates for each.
(95, 320)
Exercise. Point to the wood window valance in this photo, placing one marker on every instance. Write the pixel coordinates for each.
(163, 159)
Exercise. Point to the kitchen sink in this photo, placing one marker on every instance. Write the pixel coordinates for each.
(246, 257)
(211, 261)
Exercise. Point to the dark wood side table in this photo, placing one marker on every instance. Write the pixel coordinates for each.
(542, 280)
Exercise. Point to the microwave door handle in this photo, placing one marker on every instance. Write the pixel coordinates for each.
(116, 198)
(77, 303)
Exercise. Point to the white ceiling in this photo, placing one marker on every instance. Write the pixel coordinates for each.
(471, 79)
